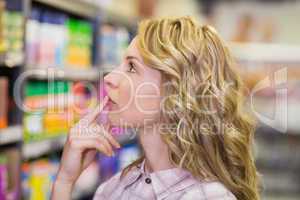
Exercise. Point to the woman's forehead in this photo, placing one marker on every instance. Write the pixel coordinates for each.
(132, 49)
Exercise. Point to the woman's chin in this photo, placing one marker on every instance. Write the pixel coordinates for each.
(112, 119)
(115, 120)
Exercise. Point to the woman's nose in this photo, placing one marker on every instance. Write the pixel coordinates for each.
(110, 80)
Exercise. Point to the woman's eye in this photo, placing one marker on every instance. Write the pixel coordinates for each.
(131, 68)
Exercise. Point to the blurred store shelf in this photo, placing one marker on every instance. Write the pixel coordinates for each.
(10, 134)
(77, 7)
(39, 148)
(266, 107)
(119, 19)
(281, 182)
(91, 74)
(11, 60)
(89, 9)
(281, 197)
(258, 52)
(2, 58)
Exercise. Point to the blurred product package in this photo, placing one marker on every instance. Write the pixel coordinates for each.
(38, 177)
(123, 157)
(113, 42)
(2, 45)
(9, 176)
(54, 39)
(13, 34)
(3, 102)
(48, 105)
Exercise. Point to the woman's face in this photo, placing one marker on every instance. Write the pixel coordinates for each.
(135, 90)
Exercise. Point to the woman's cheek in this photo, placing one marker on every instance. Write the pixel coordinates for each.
(138, 112)
(148, 105)
(139, 104)
(126, 114)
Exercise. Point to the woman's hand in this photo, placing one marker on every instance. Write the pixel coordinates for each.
(84, 140)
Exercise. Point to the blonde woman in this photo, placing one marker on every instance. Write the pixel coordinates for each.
(178, 88)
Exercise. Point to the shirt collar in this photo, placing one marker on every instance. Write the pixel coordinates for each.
(164, 182)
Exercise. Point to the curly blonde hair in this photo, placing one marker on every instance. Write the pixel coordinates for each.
(204, 97)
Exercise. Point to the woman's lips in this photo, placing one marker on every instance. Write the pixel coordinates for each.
(111, 103)
(109, 99)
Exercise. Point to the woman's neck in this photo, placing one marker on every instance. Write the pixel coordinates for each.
(156, 151)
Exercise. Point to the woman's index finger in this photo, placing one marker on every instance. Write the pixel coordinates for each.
(90, 117)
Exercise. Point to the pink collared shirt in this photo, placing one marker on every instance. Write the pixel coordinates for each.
(169, 184)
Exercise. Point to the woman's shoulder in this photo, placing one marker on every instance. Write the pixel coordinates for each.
(213, 190)
(111, 182)
(116, 184)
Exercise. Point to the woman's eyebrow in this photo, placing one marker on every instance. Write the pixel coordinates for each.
(132, 57)
(139, 62)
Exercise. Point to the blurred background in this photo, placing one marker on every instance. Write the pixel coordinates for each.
(56, 49)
